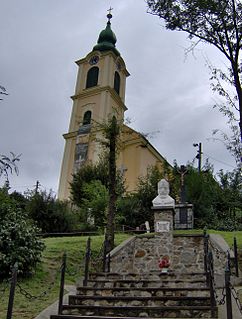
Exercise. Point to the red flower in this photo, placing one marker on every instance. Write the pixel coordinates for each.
(164, 262)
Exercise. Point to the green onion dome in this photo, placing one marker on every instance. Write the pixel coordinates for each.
(106, 40)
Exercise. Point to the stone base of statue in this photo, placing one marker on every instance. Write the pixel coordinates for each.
(163, 207)
(163, 219)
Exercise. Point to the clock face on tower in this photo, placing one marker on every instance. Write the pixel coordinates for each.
(94, 60)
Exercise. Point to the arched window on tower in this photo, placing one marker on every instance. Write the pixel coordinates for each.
(92, 77)
(116, 82)
(87, 118)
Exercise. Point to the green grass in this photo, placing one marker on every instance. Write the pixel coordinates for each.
(228, 236)
(48, 271)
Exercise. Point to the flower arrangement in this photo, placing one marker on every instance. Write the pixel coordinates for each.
(164, 263)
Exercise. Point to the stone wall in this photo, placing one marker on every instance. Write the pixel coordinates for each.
(188, 253)
(141, 254)
(122, 256)
(219, 248)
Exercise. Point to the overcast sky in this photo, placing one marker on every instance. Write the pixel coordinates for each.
(166, 92)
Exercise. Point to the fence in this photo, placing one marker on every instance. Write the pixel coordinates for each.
(228, 292)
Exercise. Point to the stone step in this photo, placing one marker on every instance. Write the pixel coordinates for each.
(140, 311)
(139, 301)
(187, 283)
(106, 317)
(154, 275)
(144, 291)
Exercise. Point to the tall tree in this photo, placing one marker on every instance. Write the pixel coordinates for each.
(111, 133)
(226, 106)
(216, 22)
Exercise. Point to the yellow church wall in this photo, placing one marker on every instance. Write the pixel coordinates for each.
(67, 167)
(137, 159)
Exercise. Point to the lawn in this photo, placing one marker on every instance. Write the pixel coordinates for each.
(46, 277)
(228, 236)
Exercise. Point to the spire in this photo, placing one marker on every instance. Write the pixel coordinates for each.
(107, 39)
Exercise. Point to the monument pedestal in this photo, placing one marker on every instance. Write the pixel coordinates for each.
(163, 218)
(164, 225)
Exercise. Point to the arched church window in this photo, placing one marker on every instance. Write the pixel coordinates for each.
(87, 118)
(92, 77)
(116, 82)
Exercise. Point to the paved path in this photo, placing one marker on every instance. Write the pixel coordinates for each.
(222, 311)
(52, 309)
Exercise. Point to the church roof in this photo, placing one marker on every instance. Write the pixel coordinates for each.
(132, 136)
(107, 39)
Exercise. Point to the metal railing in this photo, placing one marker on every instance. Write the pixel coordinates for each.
(228, 292)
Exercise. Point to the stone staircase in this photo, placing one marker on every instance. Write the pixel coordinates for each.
(135, 296)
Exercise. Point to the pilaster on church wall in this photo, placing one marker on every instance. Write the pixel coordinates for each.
(79, 80)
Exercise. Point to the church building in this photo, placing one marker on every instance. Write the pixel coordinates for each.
(100, 95)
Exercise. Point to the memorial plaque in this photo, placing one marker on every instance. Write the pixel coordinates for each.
(162, 227)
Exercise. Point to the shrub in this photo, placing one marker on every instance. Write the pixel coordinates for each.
(18, 238)
(51, 215)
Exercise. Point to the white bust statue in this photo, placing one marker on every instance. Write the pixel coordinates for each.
(163, 199)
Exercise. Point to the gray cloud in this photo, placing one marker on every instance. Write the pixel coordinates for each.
(40, 42)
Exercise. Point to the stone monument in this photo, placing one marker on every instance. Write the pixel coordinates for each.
(163, 199)
(164, 208)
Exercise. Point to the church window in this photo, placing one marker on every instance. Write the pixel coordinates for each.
(80, 155)
(87, 118)
(117, 82)
(92, 77)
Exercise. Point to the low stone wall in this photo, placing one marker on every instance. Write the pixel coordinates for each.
(141, 254)
(149, 249)
(188, 253)
(122, 256)
(219, 248)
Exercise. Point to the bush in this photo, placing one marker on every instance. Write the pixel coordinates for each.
(51, 215)
(18, 238)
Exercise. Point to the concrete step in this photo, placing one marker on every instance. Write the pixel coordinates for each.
(140, 311)
(144, 291)
(138, 301)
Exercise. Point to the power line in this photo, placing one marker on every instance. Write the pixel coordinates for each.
(215, 159)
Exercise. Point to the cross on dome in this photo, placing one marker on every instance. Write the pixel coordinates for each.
(109, 15)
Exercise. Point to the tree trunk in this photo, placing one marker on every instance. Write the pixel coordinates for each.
(239, 94)
(109, 236)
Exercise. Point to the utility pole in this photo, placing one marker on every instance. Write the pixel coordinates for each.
(37, 187)
(199, 156)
